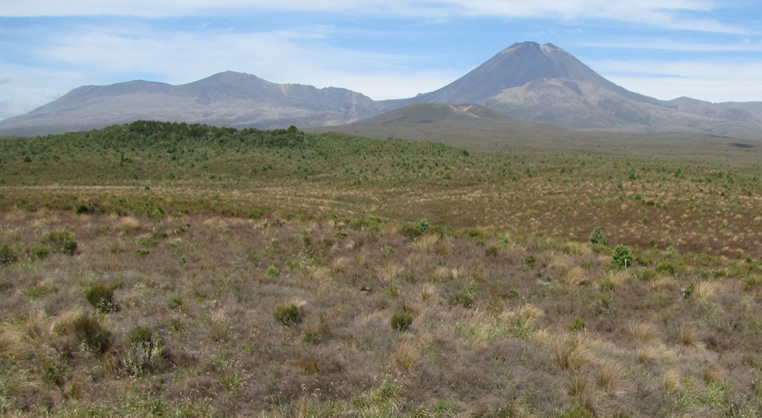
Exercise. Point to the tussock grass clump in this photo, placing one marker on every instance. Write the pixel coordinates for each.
(608, 376)
(672, 380)
(570, 354)
(642, 331)
(405, 356)
(576, 276)
(687, 336)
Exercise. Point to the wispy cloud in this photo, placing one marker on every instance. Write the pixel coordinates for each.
(676, 14)
(705, 79)
(109, 53)
(656, 44)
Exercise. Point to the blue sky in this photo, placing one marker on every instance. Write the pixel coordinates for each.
(704, 49)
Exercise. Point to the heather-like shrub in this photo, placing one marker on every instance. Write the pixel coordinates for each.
(401, 321)
(101, 297)
(91, 334)
(60, 242)
(7, 255)
(287, 314)
(597, 236)
(272, 271)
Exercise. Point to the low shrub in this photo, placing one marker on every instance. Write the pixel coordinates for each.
(7, 255)
(669, 269)
(622, 256)
(60, 242)
(413, 231)
(41, 252)
(287, 314)
(578, 324)
(101, 297)
(91, 335)
(401, 321)
(464, 298)
(597, 236)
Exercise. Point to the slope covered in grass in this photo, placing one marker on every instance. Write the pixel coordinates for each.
(157, 269)
(220, 316)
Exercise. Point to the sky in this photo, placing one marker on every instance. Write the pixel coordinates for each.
(704, 49)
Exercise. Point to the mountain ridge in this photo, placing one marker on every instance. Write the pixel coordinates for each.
(528, 81)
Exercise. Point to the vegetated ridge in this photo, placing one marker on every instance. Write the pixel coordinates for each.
(528, 81)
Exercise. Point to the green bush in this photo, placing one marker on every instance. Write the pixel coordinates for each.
(82, 209)
(476, 235)
(287, 314)
(140, 335)
(7, 255)
(413, 231)
(646, 275)
(40, 252)
(401, 321)
(464, 298)
(622, 256)
(60, 242)
(669, 269)
(578, 324)
(272, 271)
(91, 335)
(101, 297)
(597, 236)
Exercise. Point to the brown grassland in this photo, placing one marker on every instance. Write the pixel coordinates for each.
(166, 270)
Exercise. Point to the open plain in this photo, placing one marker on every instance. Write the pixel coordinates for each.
(165, 269)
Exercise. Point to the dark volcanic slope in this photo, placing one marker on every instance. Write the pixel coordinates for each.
(474, 126)
(229, 99)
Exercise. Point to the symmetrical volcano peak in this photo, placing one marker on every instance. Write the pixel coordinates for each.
(515, 66)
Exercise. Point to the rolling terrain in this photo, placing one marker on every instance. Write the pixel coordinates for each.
(167, 269)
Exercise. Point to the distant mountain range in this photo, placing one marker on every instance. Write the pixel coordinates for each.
(527, 81)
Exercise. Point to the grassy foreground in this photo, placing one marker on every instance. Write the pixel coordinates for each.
(191, 271)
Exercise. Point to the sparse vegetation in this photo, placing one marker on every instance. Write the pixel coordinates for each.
(398, 292)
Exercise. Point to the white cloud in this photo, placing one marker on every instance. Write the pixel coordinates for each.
(710, 80)
(109, 54)
(652, 12)
(25, 88)
(672, 45)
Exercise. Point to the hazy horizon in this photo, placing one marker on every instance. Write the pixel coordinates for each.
(385, 50)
